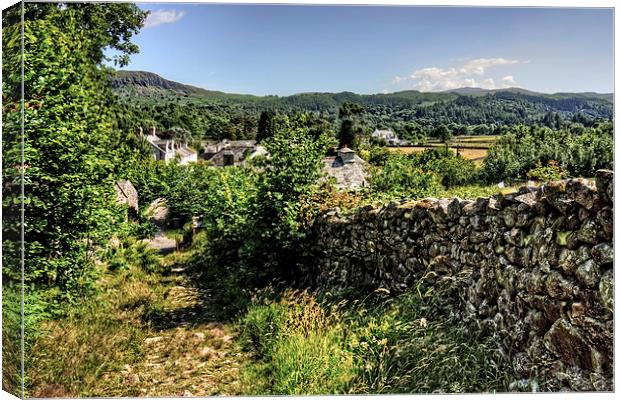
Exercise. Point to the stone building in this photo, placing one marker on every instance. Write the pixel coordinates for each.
(231, 152)
(170, 149)
(347, 168)
(386, 134)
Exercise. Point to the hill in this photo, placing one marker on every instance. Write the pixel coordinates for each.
(150, 98)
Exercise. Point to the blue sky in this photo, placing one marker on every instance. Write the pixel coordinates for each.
(282, 50)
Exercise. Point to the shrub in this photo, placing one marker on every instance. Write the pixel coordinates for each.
(455, 171)
(550, 172)
(401, 177)
(579, 153)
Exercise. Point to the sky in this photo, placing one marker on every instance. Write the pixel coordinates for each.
(286, 49)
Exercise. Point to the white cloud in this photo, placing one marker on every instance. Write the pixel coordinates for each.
(471, 73)
(508, 81)
(160, 17)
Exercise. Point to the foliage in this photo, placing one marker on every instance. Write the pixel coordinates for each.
(524, 148)
(130, 252)
(291, 172)
(72, 152)
(454, 170)
(299, 347)
(350, 127)
(379, 344)
(442, 133)
(378, 155)
(550, 172)
(419, 175)
(266, 126)
(150, 99)
(401, 176)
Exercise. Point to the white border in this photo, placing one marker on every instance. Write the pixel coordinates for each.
(470, 3)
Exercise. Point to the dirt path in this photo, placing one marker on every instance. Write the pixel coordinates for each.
(187, 354)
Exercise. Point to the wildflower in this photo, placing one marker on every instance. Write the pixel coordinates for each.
(423, 322)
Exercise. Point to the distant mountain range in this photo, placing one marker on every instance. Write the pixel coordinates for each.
(145, 82)
(173, 103)
(474, 91)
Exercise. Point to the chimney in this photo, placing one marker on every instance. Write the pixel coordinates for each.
(346, 155)
(153, 129)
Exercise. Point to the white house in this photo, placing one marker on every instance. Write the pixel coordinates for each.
(169, 149)
(386, 134)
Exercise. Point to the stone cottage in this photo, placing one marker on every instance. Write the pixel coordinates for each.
(170, 149)
(386, 134)
(231, 152)
(347, 168)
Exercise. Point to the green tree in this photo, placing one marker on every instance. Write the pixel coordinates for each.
(291, 173)
(266, 125)
(443, 133)
(350, 128)
(73, 151)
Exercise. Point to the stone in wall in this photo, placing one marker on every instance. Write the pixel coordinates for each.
(126, 193)
(533, 268)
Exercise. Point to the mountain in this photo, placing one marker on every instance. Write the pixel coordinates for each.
(474, 91)
(148, 98)
(145, 82)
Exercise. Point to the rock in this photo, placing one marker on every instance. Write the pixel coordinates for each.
(531, 269)
(132, 379)
(513, 237)
(603, 254)
(158, 212)
(207, 353)
(588, 232)
(569, 260)
(152, 340)
(583, 191)
(588, 273)
(127, 194)
(559, 287)
(605, 184)
(606, 290)
(567, 343)
(528, 199)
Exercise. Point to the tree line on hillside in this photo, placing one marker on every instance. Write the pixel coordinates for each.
(491, 114)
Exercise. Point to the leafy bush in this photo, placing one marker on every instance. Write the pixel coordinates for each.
(454, 170)
(550, 172)
(401, 176)
(131, 252)
(378, 155)
(579, 153)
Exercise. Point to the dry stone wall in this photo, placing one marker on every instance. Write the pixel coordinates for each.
(534, 269)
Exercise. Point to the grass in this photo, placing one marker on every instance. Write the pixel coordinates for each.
(11, 340)
(116, 344)
(471, 154)
(303, 345)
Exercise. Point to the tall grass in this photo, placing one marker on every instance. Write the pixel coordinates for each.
(299, 348)
(379, 345)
